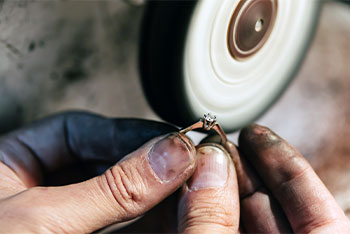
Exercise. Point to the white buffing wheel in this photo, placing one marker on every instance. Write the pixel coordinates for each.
(236, 56)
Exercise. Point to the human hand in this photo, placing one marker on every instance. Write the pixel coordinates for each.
(73, 147)
(68, 144)
(279, 192)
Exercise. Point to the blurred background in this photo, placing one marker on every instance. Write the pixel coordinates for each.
(63, 55)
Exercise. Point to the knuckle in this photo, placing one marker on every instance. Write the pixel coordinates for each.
(127, 187)
(207, 213)
(292, 169)
(333, 225)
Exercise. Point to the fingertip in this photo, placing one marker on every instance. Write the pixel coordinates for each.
(257, 137)
(229, 147)
(171, 156)
(210, 198)
(254, 130)
(213, 165)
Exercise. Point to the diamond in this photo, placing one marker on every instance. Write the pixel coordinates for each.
(209, 121)
(209, 117)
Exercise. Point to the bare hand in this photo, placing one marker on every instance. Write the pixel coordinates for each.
(266, 185)
(279, 192)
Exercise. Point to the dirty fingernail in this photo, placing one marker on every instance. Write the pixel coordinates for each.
(171, 156)
(212, 168)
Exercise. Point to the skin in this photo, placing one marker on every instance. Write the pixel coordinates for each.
(307, 204)
(78, 172)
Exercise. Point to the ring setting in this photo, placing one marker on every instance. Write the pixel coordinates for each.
(207, 123)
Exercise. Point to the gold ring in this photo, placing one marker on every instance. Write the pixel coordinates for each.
(208, 123)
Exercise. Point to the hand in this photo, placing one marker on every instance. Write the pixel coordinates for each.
(73, 147)
(279, 192)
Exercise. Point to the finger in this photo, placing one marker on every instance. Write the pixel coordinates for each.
(73, 138)
(125, 191)
(209, 203)
(305, 200)
(260, 212)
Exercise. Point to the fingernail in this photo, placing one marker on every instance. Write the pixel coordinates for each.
(171, 156)
(212, 168)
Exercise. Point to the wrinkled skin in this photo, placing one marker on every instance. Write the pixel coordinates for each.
(64, 174)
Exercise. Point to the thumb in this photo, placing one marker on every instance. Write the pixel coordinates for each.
(210, 201)
(128, 189)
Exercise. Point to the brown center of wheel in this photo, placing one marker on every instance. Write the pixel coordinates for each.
(250, 26)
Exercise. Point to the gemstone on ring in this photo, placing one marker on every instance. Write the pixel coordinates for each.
(209, 121)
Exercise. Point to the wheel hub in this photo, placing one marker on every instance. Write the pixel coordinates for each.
(250, 26)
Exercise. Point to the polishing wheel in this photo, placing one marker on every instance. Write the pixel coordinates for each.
(230, 57)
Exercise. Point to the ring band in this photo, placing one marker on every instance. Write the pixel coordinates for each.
(208, 123)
